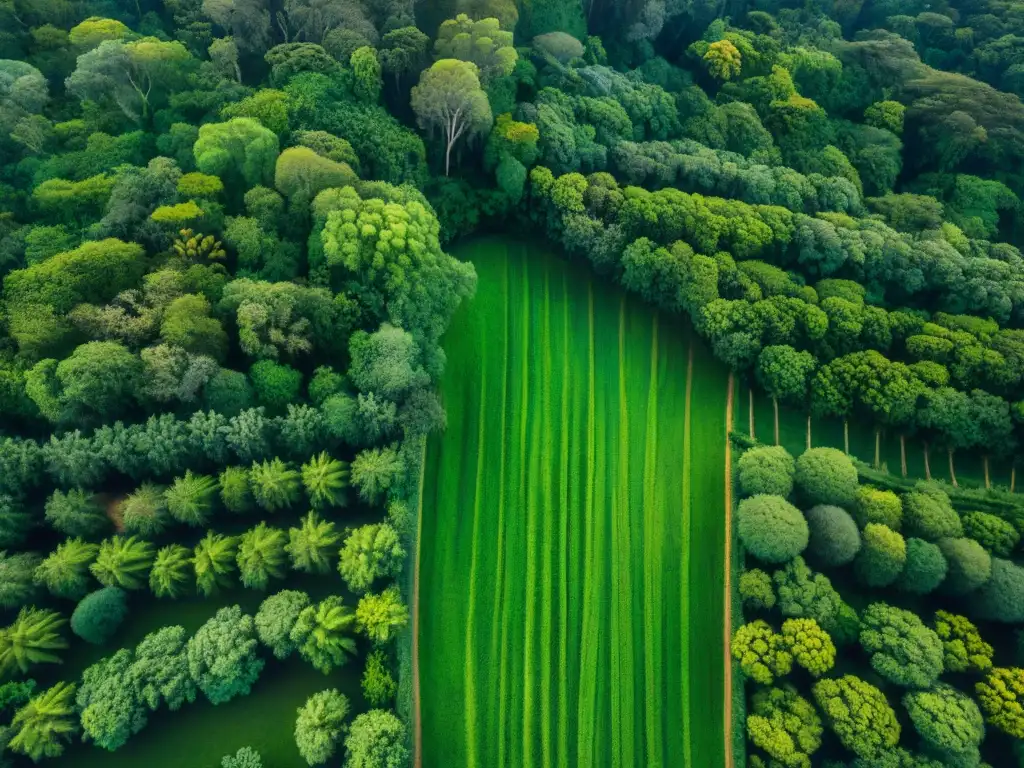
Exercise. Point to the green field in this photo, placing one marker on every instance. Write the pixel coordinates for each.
(571, 578)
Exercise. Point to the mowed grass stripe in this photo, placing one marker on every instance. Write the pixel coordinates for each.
(684, 583)
(555, 529)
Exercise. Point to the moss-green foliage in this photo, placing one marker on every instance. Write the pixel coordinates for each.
(771, 528)
(882, 556)
(834, 538)
(762, 653)
(766, 470)
(875, 505)
(784, 725)
(826, 476)
(962, 645)
(970, 566)
(949, 723)
(756, 590)
(930, 516)
(1002, 597)
(925, 568)
(1001, 698)
(320, 725)
(810, 645)
(100, 613)
(902, 648)
(993, 533)
(805, 594)
(859, 714)
(379, 687)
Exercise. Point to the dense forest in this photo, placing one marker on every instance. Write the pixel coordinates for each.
(225, 288)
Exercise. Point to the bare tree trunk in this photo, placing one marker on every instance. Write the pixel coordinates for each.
(927, 465)
(984, 461)
(448, 157)
(808, 431)
(878, 447)
(846, 436)
(775, 406)
(750, 393)
(903, 455)
(952, 470)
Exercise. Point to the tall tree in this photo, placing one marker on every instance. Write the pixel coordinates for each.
(449, 99)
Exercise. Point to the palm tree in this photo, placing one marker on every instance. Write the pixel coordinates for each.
(190, 498)
(172, 571)
(321, 634)
(326, 480)
(65, 573)
(274, 484)
(214, 561)
(313, 546)
(261, 556)
(43, 725)
(123, 562)
(145, 511)
(31, 640)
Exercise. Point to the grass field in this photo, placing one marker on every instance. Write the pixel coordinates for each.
(571, 580)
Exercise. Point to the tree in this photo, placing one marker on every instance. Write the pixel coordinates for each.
(30, 640)
(766, 470)
(382, 616)
(756, 590)
(1001, 597)
(65, 573)
(366, 71)
(246, 757)
(882, 556)
(187, 322)
(723, 60)
(811, 646)
(403, 51)
(277, 617)
(274, 485)
(826, 476)
(762, 653)
(98, 382)
(75, 513)
(803, 593)
(449, 99)
(996, 535)
(261, 556)
(240, 151)
(482, 42)
(320, 725)
(15, 522)
(320, 634)
(228, 393)
(771, 528)
(386, 363)
(379, 687)
(969, 565)
(834, 538)
(236, 490)
(859, 714)
(111, 710)
(159, 674)
(371, 552)
(376, 738)
(1000, 696)
(41, 728)
(215, 562)
(903, 650)
(17, 571)
(325, 480)
(123, 562)
(301, 174)
(275, 385)
(784, 725)
(375, 471)
(190, 498)
(875, 505)
(925, 568)
(222, 656)
(962, 645)
(172, 571)
(312, 546)
(144, 511)
(99, 615)
(930, 516)
(949, 723)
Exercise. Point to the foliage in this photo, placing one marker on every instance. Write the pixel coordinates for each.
(382, 616)
(274, 485)
(43, 726)
(123, 562)
(805, 594)
(370, 552)
(771, 528)
(930, 516)
(756, 590)
(277, 617)
(858, 714)
(17, 572)
(784, 725)
(214, 559)
(810, 645)
(172, 572)
(97, 617)
(962, 645)
(996, 535)
(949, 723)
(766, 470)
(190, 499)
(325, 480)
(834, 538)
(159, 672)
(111, 710)
(222, 656)
(65, 572)
(925, 568)
(321, 635)
(31, 639)
(379, 687)
(969, 565)
(1000, 598)
(875, 505)
(883, 556)
(903, 650)
(320, 725)
(826, 476)
(246, 757)
(261, 556)
(75, 513)
(312, 546)
(144, 511)
(376, 738)
(762, 653)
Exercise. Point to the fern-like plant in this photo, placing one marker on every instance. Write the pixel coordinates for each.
(326, 480)
(261, 556)
(144, 512)
(43, 726)
(123, 562)
(30, 640)
(65, 572)
(274, 484)
(214, 561)
(313, 545)
(322, 634)
(172, 571)
(190, 499)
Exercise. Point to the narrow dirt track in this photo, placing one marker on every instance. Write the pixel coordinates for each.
(417, 720)
(727, 613)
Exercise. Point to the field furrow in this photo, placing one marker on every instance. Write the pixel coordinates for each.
(568, 518)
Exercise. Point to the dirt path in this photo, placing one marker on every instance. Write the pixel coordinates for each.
(727, 613)
(417, 719)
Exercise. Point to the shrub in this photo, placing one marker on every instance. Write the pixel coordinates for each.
(784, 725)
(762, 653)
(834, 537)
(826, 476)
(771, 528)
(1002, 597)
(100, 613)
(379, 687)
(1001, 697)
(766, 470)
(859, 714)
(930, 516)
(877, 506)
(925, 568)
(882, 556)
(970, 566)
(903, 650)
(962, 646)
(993, 533)
(949, 723)
(756, 590)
